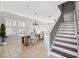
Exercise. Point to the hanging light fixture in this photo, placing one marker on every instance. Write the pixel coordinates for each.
(35, 22)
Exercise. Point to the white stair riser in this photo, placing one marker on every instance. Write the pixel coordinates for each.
(65, 35)
(57, 55)
(67, 31)
(67, 27)
(66, 44)
(65, 50)
(68, 24)
(65, 39)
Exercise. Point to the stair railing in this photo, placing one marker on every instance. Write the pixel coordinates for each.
(76, 29)
(75, 23)
(52, 32)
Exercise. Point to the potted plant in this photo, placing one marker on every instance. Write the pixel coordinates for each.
(3, 33)
(0, 38)
(0, 31)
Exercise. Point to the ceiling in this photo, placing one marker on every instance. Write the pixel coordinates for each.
(46, 11)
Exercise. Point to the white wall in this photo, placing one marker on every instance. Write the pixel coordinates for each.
(40, 27)
(9, 38)
(0, 18)
(43, 9)
(0, 5)
(0, 24)
(0, 13)
(68, 11)
(29, 25)
(77, 14)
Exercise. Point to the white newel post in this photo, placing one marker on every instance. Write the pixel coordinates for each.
(47, 43)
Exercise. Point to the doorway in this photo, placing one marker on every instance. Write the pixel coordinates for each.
(68, 9)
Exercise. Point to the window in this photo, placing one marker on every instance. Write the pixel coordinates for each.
(21, 27)
(11, 26)
(14, 27)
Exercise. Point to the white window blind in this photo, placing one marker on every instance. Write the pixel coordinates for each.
(14, 27)
(21, 28)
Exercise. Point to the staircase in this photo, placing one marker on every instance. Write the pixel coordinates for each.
(65, 44)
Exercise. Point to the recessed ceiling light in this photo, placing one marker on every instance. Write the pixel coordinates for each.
(28, 5)
(35, 13)
(49, 16)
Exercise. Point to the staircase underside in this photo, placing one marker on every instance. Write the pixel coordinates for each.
(65, 44)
